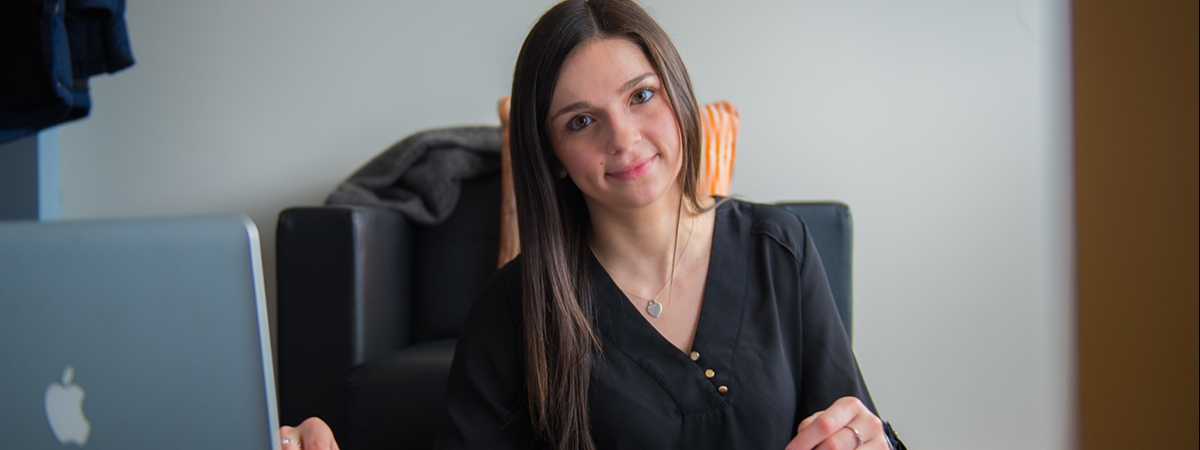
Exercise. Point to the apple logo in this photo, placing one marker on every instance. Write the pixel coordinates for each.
(64, 410)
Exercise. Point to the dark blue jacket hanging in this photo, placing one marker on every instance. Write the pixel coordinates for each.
(48, 49)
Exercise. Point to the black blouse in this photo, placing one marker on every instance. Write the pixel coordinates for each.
(771, 351)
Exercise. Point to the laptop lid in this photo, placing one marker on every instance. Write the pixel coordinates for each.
(146, 333)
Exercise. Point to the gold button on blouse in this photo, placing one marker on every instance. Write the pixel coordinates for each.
(694, 355)
(709, 373)
(722, 389)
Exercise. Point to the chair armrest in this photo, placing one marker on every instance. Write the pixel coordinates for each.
(343, 299)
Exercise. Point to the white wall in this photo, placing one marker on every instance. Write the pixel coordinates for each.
(944, 124)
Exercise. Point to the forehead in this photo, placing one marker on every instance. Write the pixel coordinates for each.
(599, 68)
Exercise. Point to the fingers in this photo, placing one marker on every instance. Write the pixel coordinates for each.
(289, 438)
(827, 430)
(818, 427)
(843, 439)
(312, 434)
(316, 435)
(808, 421)
(870, 433)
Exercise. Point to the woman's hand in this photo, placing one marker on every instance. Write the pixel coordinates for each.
(313, 434)
(834, 429)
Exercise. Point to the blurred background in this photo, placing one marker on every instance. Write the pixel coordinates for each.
(945, 125)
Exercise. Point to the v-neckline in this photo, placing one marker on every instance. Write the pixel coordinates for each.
(715, 337)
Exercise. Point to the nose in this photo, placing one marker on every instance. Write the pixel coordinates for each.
(624, 133)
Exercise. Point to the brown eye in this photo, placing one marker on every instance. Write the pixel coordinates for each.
(643, 95)
(579, 123)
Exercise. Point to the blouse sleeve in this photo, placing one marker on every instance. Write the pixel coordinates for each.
(830, 370)
(485, 394)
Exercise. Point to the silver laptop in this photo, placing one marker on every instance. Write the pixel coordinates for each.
(134, 334)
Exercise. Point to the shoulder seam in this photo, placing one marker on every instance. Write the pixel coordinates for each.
(776, 232)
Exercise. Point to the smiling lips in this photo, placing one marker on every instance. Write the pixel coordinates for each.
(634, 170)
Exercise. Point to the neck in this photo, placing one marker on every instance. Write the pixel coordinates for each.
(643, 240)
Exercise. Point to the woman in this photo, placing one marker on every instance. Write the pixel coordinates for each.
(639, 314)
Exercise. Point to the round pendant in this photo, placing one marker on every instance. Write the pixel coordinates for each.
(654, 308)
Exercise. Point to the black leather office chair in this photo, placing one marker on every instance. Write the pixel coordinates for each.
(369, 306)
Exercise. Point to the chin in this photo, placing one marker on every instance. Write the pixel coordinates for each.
(640, 198)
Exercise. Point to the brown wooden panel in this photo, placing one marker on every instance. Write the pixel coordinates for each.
(1136, 186)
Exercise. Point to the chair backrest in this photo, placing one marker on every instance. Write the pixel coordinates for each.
(452, 260)
(833, 232)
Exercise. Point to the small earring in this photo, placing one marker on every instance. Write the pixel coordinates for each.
(562, 173)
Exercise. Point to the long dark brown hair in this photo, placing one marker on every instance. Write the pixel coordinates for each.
(560, 343)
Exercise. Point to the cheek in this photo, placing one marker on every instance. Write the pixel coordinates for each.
(666, 131)
(574, 156)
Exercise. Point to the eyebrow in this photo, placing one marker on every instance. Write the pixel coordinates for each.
(634, 82)
(584, 105)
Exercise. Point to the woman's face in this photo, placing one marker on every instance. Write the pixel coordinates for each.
(611, 124)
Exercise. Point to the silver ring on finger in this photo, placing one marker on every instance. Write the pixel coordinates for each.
(857, 436)
(286, 441)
